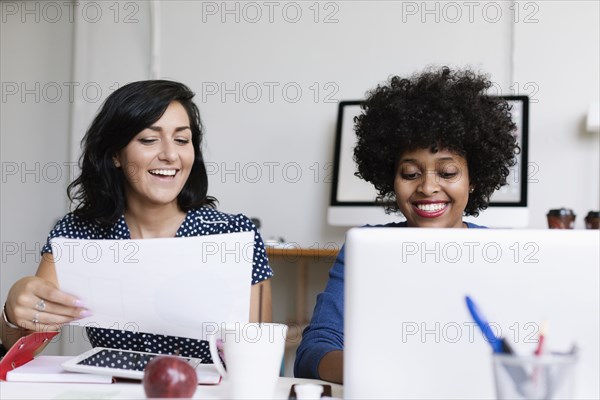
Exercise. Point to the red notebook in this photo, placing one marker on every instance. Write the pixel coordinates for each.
(23, 350)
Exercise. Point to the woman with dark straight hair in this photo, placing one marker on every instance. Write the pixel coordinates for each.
(127, 112)
(142, 176)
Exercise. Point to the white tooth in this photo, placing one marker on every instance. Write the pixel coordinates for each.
(431, 207)
(166, 172)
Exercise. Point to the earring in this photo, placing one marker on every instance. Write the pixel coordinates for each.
(471, 190)
(117, 164)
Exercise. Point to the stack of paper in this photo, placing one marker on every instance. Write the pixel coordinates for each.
(48, 369)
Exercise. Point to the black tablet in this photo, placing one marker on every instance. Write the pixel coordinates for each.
(131, 364)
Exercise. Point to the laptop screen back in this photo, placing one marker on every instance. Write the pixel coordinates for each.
(408, 333)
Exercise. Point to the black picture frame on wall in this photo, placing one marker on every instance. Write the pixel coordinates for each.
(352, 201)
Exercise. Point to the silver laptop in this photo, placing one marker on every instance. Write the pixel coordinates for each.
(408, 331)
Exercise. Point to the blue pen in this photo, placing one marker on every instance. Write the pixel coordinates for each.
(499, 345)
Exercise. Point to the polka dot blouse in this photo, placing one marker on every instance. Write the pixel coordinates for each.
(198, 222)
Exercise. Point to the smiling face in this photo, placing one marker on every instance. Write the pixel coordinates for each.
(158, 160)
(432, 189)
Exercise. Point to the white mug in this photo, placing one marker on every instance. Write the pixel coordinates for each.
(252, 354)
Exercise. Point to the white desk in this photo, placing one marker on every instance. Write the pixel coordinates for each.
(133, 390)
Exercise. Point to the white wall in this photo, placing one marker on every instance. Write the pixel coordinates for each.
(555, 60)
(559, 57)
(47, 92)
(35, 71)
(277, 166)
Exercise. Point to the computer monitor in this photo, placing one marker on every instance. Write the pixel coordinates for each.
(353, 200)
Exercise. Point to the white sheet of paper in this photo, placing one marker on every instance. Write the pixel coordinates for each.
(175, 286)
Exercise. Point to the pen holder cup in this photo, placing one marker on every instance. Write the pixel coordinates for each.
(534, 377)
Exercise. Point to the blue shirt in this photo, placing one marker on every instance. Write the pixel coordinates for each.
(198, 222)
(325, 332)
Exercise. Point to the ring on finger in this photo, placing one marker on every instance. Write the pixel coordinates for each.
(36, 318)
(40, 305)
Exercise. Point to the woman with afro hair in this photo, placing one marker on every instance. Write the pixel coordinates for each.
(435, 147)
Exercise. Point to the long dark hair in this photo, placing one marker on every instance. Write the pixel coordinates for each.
(99, 191)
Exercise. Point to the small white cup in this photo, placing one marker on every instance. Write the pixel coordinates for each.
(252, 354)
(534, 377)
(308, 391)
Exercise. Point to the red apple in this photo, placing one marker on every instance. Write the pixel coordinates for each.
(170, 377)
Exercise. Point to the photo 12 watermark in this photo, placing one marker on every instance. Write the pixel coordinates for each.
(236, 254)
(119, 251)
(268, 92)
(75, 331)
(38, 172)
(91, 251)
(530, 89)
(270, 172)
(270, 12)
(21, 252)
(469, 252)
(52, 12)
(122, 251)
(453, 12)
(533, 169)
(316, 252)
(55, 92)
(464, 331)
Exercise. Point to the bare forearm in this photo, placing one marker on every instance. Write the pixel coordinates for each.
(34, 303)
(331, 367)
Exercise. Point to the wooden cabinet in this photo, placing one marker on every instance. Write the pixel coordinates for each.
(300, 259)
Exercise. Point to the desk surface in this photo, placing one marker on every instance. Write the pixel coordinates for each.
(292, 251)
(129, 390)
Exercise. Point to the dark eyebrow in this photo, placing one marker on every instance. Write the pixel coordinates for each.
(413, 160)
(404, 160)
(159, 129)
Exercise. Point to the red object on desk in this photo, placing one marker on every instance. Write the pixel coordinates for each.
(540, 345)
(538, 350)
(23, 350)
